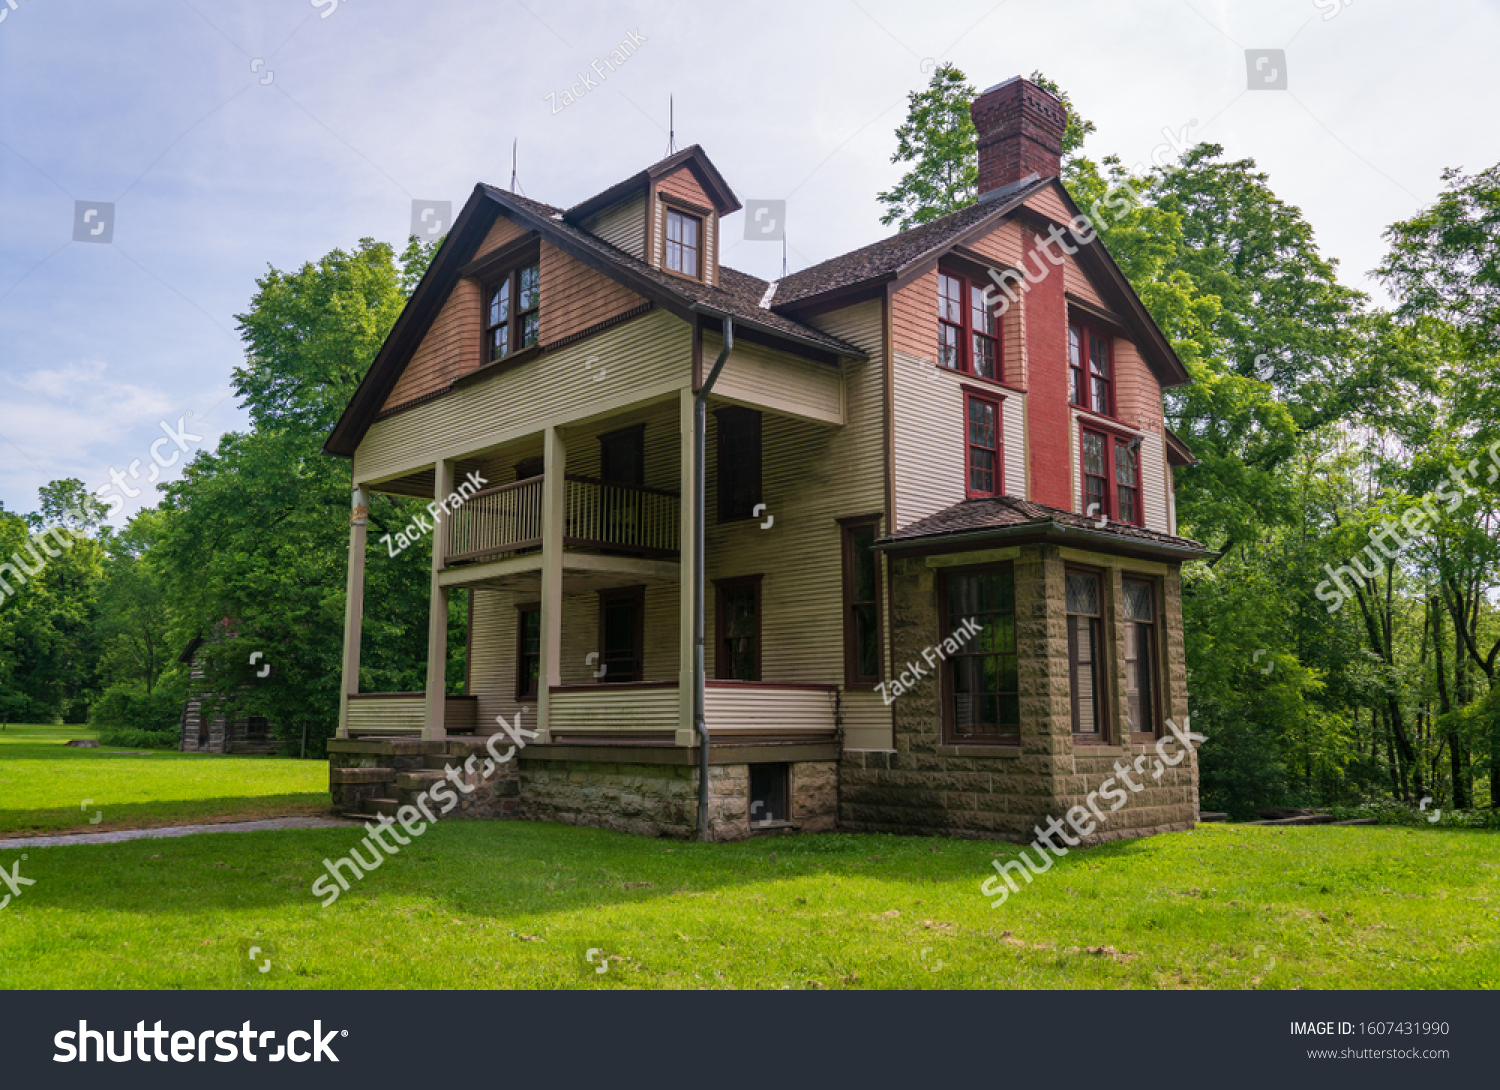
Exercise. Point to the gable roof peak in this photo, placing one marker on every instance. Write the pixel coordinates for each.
(693, 158)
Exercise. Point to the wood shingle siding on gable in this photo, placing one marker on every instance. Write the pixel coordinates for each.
(450, 349)
(622, 225)
(1048, 203)
(639, 359)
(576, 297)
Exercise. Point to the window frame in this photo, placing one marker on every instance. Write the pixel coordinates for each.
(1155, 646)
(946, 689)
(996, 402)
(510, 276)
(523, 608)
(1103, 704)
(1139, 514)
(635, 434)
(1107, 498)
(637, 596)
(722, 664)
(1080, 370)
(1112, 439)
(721, 483)
(853, 679)
(968, 285)
(671, 209)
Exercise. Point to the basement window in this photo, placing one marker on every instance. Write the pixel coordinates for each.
(770, 796)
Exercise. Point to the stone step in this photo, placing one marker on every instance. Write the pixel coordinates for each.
(418, 780)
(375, 807)
(361, 775)
(1212, 815)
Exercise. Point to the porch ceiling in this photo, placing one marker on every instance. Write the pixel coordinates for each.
(582, 573)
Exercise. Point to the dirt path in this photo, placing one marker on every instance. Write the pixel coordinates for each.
(176, 830)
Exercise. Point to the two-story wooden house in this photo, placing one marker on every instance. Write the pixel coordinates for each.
(891, 458)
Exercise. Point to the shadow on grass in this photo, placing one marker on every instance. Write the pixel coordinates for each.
(157, 815)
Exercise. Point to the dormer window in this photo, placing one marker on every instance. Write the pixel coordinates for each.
(513, 312)
(684, 250)
(968, 338)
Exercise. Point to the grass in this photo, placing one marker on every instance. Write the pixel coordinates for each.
(519, 905)
(43, 784)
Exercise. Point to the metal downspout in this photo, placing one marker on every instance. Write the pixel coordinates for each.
(700, 441)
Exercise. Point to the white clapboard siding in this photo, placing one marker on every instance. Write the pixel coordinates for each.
(1153, 484)
(741, 710)
(866, 719)
(492, 660)
(1013, 416)
(648, 354)
(622, 225)
(603, 709)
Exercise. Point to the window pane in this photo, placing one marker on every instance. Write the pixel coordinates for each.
(981, 470)
(531, 279)
(738, 620)
(982, 674)
(950, 299)
(1093, 454)
(530, 325)
(981, 317)
(1101, 396)
(1138, 601)
(1098, 355)
(948, 346)
(1083, 643)
(500, 343)
(1083, 594)
(1075, 351)
(982, 423)
(984, 356)
(500, 304)
(674, 226)
(619, 640)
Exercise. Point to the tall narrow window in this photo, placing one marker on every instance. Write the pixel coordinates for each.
(513, 312)
(861, 604)
(982, 440)
(950, 321)
(1140, 657)
(1075, 365)
(621, 636)
(1128, 480)
(683, 232)
(983, 701)
(738, 462)
(528, 650)
(1085, 625)
(738, 629)
(1095, 458)
(1099, 384)
(622, 456)
(982, 325)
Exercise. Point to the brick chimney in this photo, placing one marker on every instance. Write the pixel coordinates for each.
(1020, 129)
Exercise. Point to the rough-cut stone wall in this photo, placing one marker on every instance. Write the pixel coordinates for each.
(925, 786)
(648, 800)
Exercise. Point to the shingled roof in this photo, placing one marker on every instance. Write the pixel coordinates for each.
(890, 256)
(1006, 517)
(737, 294)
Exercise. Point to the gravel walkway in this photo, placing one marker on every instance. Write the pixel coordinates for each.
(177, 830)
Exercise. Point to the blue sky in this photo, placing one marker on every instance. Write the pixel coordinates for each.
(219, 166)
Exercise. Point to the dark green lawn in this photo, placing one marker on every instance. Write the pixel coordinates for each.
(519, 905)
(43, 785)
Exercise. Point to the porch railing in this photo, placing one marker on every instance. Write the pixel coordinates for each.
(598, 514)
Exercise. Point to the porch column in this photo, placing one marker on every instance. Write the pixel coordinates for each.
(437, 614)
(554, 526)
(686, 734)
(354, 602)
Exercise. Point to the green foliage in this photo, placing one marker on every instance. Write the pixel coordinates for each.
(128, 715)
(938, 138)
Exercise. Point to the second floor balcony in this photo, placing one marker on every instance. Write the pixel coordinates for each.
(620, 519)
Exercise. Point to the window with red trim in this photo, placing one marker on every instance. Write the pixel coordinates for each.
(1111, 468)
(1092, 384)
(968, 334)
(983, 445)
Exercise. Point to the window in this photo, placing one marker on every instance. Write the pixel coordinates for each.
(983, 444)
(1095, 476)
(738, 462)
(1088, 363)
(968, 334)
(528, 468)
(861, 604)
(982, 701)
(738, 629)
(257, 728)
(1128, 480)
(1085, 650)
(622, 456)
(683, 232)
(621, 635)
(1140, 657)
(528, 650)
(512, 313)
(769, 794)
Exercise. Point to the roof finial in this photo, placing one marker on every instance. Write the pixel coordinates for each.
(514, 145)
(671, 126)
